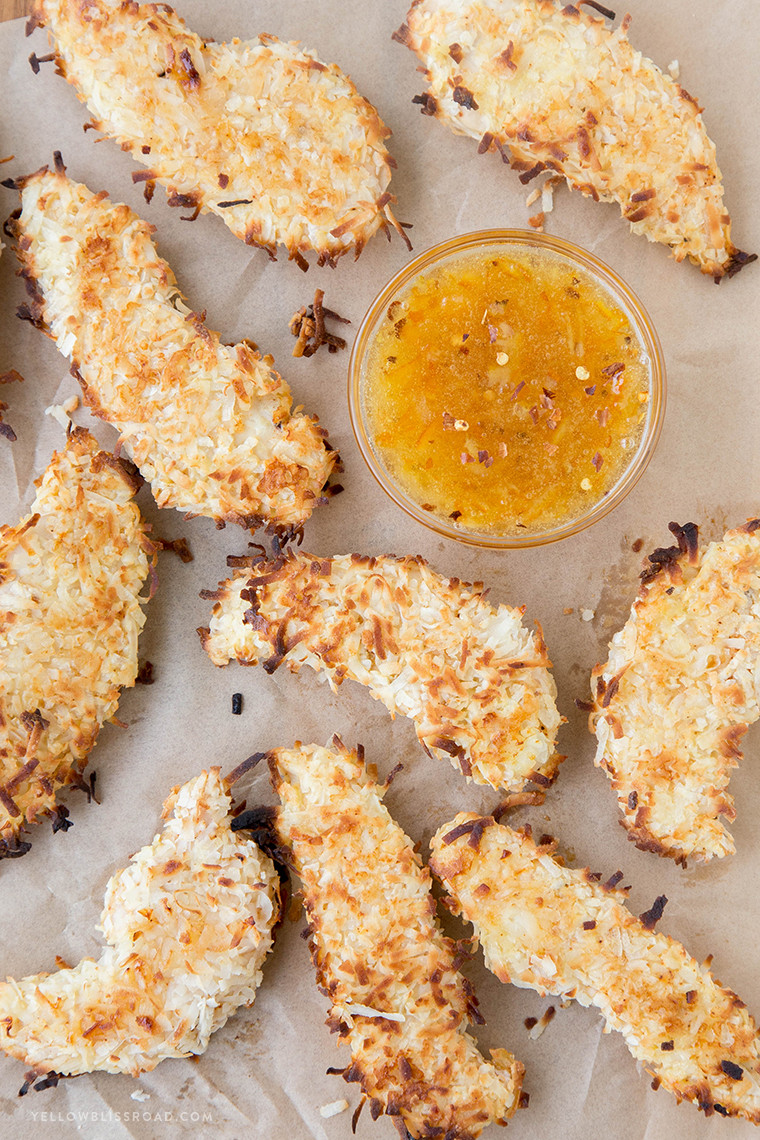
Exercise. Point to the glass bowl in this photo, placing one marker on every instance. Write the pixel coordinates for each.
(502, 241)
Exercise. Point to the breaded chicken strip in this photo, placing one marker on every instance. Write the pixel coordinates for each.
(188, 925)
(397, 996)
(279, 145)
(475, 681)
(71, 573)
(679, 690)
(563, 92)
(209, 425)
(560, 932)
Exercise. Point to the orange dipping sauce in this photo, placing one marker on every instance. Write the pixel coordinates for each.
(506, 392)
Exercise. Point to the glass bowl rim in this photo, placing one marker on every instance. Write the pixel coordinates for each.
(619, 288)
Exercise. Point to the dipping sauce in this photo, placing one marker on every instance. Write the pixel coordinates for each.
(506, 390)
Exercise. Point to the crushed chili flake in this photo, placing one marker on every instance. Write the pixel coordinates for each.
(540, 425)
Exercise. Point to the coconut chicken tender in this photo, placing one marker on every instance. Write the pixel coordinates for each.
(71, 612)
(397, 997)
(209, 425)
(555, 87)
(278, 144)
(558, 931)
(188, 925)
(679, 690)
(475, 681)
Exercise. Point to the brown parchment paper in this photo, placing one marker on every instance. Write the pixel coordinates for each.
(264, 1073)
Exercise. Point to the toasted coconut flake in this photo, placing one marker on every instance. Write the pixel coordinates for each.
(188, 925)
(473, 678)
(583, 943)
(279, 145)
(680, 684)
(209, 425)
(377, 946)
(574, 96)
(70, 615)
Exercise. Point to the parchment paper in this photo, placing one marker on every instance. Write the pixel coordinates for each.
(264, 1073)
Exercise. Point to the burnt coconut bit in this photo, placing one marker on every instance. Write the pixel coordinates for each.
(169, 975)
(676, 695)
(693, 1035)
(279, 145)
(475, 681)
(209, 425)
(552, 88)
(397, 997)
(70, 619)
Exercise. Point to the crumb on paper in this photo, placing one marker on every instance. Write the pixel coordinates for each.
(333, 1108)
(536, 1028)
(537, 222)
(308, 326)
(587, 615)
(140, 1094)
(569, 610)
(63, 412)
(674, 69)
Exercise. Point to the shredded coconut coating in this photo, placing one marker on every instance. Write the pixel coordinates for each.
(678, 692)
(381, 958)
(564, 92)
(277, 144)
(475, 681)
(70, 615)
(209, 425)
(188, 924)
(558, 931)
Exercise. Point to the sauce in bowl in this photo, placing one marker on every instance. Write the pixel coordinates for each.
(506, 390)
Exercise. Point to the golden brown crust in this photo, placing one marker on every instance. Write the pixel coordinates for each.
(475, 681)
(678, 692)
(397, 996)
(187, 924)
(561, 932)
(276, 143)
(209, 425)
(70, 616)
(552, 85)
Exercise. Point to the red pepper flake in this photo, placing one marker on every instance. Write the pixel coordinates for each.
(518, 389)
(492, 333)
(590, 391)
(465, 457)
(597, 461)
(603, 416)
(533, 413)
(465, 336)
(448, 421)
